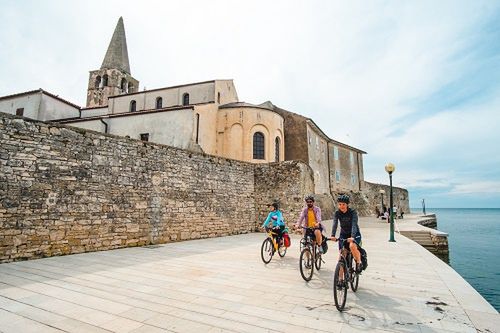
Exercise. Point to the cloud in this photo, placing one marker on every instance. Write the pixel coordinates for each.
(477, 188)
(414, 83)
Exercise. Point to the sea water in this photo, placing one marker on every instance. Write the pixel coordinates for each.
(474, 244)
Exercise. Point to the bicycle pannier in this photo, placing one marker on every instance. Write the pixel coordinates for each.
(286, 238)
(364, 258)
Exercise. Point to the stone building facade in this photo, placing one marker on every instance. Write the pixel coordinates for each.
(204, 117)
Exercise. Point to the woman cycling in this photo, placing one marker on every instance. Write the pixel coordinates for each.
(275, 220)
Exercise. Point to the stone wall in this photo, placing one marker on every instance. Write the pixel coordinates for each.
(373, 198)
(287, 183)
(65, 190)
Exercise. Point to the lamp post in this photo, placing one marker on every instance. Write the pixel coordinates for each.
(382, 192)
(423, 206)
(390, 169)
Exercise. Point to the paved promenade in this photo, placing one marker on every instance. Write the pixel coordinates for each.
(221, 285)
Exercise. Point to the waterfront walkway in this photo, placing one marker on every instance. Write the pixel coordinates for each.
(221, 285)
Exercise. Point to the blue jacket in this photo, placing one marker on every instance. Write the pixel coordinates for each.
(275, 222)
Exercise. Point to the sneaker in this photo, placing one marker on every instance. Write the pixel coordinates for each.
(340, 285)
(359, 267)
(320, 249)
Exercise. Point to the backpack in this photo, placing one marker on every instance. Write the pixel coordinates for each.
(364, 258)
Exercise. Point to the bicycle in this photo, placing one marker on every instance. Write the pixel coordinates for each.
(310, 256)
(346, 266)
(270, 245)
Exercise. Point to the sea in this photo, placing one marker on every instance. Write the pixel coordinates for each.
(474, 244)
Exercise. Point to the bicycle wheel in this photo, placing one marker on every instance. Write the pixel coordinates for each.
(282, 250)
(306, 264)
(340, 286)
(317, 259)
(266, 251)
(302, 244)
(353, 276)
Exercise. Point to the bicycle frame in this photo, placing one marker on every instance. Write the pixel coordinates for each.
(308, 240)
(271, 234)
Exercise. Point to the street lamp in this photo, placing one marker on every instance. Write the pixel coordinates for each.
(423, 206)
(390, 169)
(382, 192)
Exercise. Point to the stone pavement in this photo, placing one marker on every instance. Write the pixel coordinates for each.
(221, 285)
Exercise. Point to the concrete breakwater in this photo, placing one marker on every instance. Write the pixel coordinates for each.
(423, 230)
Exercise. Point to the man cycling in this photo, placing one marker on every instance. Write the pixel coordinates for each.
(310, 217)
(350, 236)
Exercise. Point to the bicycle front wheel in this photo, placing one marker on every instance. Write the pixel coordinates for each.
(282, 250)
(266, 251)
(317, 260)
(340, 285)
(306, 264)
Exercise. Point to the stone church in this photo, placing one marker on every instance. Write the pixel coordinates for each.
(205, 117)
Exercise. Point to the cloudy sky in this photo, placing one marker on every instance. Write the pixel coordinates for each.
(412, 83)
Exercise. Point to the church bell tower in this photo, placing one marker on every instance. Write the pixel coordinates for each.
(113, 78)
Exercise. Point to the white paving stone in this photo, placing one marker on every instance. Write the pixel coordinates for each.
(221, 285)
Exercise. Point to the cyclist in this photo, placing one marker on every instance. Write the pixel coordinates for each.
(350, 236)
(310, 217)
(275, 221)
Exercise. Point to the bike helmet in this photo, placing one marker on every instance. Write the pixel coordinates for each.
(275, 205)
(309, 197)
(343, 198)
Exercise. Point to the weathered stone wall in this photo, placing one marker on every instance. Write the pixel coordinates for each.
(373, 198)
(295, 125)
(65, 190)
(288, 183)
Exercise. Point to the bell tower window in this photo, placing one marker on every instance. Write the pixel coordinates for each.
(97, 83)
(123, 85)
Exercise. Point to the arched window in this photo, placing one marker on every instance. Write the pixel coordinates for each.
(130, 87)
(123, 85)
(159, 102)
(258, 146)
(133, 105)
(105, 80)
(218, 97)
(97, 83)
(185, 99)
(277, 149)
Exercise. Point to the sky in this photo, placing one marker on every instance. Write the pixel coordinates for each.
(415, 83)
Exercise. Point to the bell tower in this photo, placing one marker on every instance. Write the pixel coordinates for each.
(113, 78)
